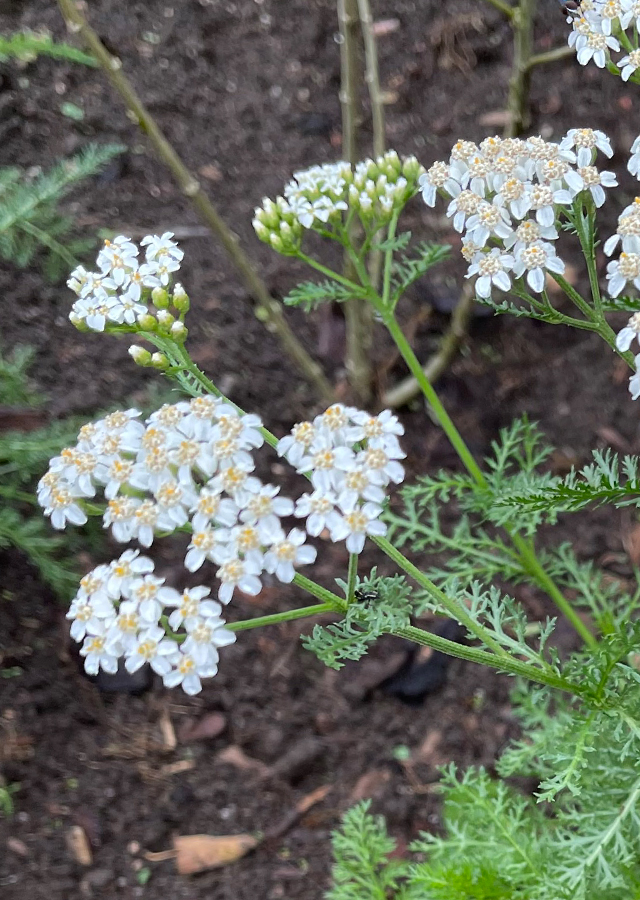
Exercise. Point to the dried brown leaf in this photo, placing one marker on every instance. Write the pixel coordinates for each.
(198, 852)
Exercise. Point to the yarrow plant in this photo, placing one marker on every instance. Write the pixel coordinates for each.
(189, 468)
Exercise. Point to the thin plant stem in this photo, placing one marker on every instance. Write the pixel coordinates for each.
(506, 664)
(518, 102)
(401, 393)
(505, 8)
(526, 552)
(267, 309)
(276, 618)
(352, 577)
(372, 77)
(456, 610)
(541, 59)
(49, 242)
(357, 312)
(434, 401)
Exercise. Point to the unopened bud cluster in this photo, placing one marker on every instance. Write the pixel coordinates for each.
(323, 197)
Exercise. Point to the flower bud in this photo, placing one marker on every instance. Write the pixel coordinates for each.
(261, 230)
(147, 322)
(165, 320)
(181, 299)
(159, 361)
(160, 298)
(276, 242)
(179, 332)
(412, 169)
(79, 323)
(139, 355)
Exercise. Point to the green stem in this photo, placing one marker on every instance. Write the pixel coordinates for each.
(275, 619)
(506, 664)
(532, 565)
(526, 553)
(352, 577)
(388, 260)
(336, 603)
(456, 610)
(356, 289)
(434, 401)
(49, 242)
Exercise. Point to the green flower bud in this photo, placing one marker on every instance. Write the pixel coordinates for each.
(79, 323)
(165, 320)
(261, 230)
(139, 355)
(160, 298)
(412, 169)
(181, 299)
(147, 322)
(277, 243)
(159, 361)
(179, 332)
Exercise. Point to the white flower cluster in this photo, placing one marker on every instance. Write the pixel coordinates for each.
(117, 613)
(115, 292)
(318, 198)
(504, 194)
(595, 28)
(350, 458)
(188, 466)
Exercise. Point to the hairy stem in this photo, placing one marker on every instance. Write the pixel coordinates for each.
(267, 309)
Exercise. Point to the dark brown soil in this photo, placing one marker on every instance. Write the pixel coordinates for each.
(247, 92)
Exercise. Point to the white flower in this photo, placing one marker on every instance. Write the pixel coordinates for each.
(534, 260)
(159, 248)
(124, 570)
(381, 466)
(89, 614)
(319, 509)
(362, 482)
(619, 272)
(210, 506)
(587, 178)
(94, 310)
(203, 543)
(265, 509)
(150, 595)
(243, 429)
(152, 647)
(336, 424)
(123, 631)
(62, 507)
(237, 483)
(288, 552)
(634, 160)
(188, 672)
(463, 205)
(585, 140)
(234, 572)
(204, 638)
(491, 269)
(192, 607)
(113, 473)
(634, 381)
(120, 515)
(625, 337)
(437, 176)
(96, 653)
(357, 524)
(595, 48)
(295, 445)
(326, 463)
(490, 219)
(628, 231)
(173, 500)
(379, 430)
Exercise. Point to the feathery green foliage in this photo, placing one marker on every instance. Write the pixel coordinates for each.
(30, 221)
